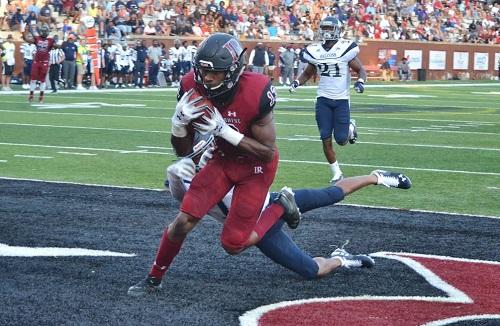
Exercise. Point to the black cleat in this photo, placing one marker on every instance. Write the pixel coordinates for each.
(148, 285)
(392, 179)
(286, 199)
(348, 260)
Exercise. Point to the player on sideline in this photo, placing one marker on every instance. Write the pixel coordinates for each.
(276, 244)
(332, 59)
(40, 65)
(246, 159)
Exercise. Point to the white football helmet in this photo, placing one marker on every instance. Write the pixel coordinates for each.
(330, 29)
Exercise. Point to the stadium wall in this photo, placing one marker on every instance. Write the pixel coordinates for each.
(372, 49)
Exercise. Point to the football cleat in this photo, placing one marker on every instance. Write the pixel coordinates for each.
(348, 260)
(392, 179)
(286, 198)
(337, 177)
(353, 131)
(148, 285)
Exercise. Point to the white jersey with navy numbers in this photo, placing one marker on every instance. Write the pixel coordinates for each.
(176, 54)
(333, 67)
(28, 50)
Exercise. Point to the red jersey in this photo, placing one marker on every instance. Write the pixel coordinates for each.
(43, 47)
(255, 97)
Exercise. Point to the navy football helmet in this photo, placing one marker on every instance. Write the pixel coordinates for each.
(330, 29)
(44, 30)
(219, 52)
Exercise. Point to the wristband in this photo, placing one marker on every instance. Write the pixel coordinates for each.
(179, 131)
(232, 136)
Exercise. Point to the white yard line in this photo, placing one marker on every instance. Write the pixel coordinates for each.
(285, 161)
(78, 127)
(155, 147)
(87, 114)
(389, 167)
(493, 188)
(371, 131)
(156, 189)
(402, 145)
(76, 153)
(379, 117)
(33, 156)
(3, 161)
(89, 149)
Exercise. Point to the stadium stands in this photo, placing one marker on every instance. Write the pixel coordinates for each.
(451, 21)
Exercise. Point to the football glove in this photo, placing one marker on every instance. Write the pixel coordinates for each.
(294, 86)
(205, 157)
(186, 111)
(359, 86)
(215, 124)
(184, 169)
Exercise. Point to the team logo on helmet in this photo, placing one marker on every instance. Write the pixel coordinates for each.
(234, 49)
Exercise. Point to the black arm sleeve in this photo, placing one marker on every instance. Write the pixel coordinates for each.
(267, 100)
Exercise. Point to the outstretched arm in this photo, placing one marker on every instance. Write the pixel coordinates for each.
(356, 65)
(28, 35)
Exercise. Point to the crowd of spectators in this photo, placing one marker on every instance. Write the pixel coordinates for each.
(289, 20)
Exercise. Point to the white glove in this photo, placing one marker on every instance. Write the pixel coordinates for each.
(184, 169)
(294, 86)
(205, 157)
(216, 125)
(186, 111)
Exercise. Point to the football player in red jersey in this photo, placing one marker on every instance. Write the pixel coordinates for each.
(246, 157)
(40, 65)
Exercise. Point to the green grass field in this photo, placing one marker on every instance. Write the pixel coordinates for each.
(445, 136)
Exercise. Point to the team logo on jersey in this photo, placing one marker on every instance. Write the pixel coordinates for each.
(231, 114)
(258, 170)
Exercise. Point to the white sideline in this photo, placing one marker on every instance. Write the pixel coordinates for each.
(32, 156)
(174, 89)
(371, 130)
(156, 189)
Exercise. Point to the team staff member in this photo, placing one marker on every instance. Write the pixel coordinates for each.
(56, 57)
(140, 63)
(69, 64)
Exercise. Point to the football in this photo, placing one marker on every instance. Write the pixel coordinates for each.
(203, 102)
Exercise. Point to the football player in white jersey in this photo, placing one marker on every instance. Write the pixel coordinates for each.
(333, 59)
(176, 53)
(124, 65)
(276, 244)
(28, 51)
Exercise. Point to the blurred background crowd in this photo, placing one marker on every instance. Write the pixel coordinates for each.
(424, 20)
(128, 54)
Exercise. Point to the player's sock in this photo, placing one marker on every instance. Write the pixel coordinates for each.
(32, 86)
(268, 218)
(30, 98)
(308, 199)
(167, 250)
(41, 96)
(278, 246)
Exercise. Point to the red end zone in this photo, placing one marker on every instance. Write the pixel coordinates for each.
(471, 288)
